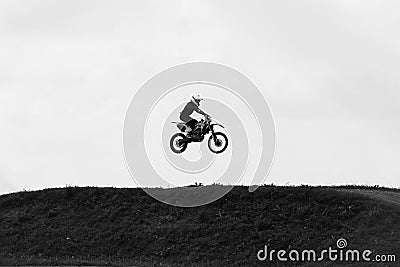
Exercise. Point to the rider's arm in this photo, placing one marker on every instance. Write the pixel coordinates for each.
(201, 112)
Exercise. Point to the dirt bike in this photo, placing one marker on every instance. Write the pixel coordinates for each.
(217, 142)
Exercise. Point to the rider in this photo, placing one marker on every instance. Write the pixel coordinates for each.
(192, 105)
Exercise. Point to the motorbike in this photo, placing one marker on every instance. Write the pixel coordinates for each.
(217, 142)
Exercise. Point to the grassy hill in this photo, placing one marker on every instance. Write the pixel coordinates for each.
(111, 226)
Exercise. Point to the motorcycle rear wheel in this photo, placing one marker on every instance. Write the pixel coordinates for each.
(174, 144)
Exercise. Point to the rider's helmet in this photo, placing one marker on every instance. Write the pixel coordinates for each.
(197, 99)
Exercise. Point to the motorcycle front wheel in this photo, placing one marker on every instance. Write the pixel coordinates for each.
(219, 145)
(175, 144)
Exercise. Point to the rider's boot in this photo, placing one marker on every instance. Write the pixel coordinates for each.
(188, 130)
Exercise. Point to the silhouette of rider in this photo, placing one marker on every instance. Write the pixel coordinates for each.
(192, 105)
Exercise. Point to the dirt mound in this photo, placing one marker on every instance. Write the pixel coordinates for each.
(105, 226)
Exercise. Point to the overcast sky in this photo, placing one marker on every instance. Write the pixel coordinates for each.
(68, 70)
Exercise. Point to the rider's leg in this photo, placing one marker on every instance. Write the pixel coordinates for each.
(191, 125)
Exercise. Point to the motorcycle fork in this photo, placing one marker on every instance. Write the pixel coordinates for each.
(213, 134)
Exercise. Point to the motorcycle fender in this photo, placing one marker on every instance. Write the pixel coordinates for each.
(217, 125)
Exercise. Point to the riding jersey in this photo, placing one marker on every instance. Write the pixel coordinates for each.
(188, 110)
